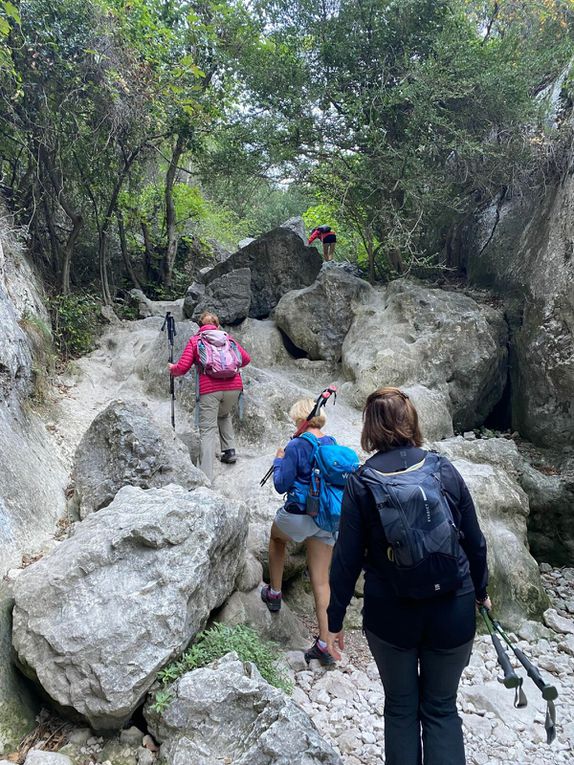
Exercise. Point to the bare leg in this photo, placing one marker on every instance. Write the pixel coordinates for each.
(331, 251)
(325, 252)
(277, 543)
(319, 557)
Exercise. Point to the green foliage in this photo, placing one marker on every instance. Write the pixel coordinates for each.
(215, 643)
(75, 320)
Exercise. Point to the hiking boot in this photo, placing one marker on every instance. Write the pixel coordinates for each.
(273, 602)
(323, 656)
(228, 456)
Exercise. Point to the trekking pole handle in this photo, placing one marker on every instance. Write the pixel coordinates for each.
(510, 679)
(549, 692)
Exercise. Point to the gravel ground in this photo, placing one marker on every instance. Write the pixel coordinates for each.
(346, 703)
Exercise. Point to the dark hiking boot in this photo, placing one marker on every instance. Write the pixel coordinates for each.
(273, 602)
(323, 656)
(228, 456)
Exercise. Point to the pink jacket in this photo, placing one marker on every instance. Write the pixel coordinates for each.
(208, 384)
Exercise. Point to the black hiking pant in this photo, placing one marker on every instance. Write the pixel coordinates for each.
(421, 682)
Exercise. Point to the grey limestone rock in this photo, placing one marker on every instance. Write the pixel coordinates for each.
(125, 447)
(278, 262)
(409, 334)
(95, 620)
(227, 711)
(262, 339)
(229, 295)
(317, 318)
(502, 508)
(521, 248)
(38, 757)
(147, 307)
(297, 225)
(283, 626)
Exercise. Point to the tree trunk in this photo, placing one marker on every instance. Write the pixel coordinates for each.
(76, 219)
(125, 254)
(103, 239)
(170, 214)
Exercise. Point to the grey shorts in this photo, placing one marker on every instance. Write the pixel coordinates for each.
(301, 527)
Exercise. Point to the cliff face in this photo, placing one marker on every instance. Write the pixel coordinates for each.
(523, 248)
(32, 479)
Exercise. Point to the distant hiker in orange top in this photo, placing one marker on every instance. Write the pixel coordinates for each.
(218, 358)
(328, 239)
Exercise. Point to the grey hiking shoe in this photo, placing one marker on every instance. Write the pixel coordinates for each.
(273, 602)
(228, 456)
(322, 656)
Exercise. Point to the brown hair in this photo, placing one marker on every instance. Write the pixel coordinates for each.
(208, 317)
(389, 420)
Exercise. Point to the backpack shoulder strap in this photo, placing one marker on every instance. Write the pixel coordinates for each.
(314, 441)
(375, 483)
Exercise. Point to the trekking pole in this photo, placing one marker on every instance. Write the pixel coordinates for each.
(549, 692)
(169, 324)
(320, 402)
(510, 679)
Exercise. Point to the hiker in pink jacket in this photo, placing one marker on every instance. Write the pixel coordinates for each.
(218, 358)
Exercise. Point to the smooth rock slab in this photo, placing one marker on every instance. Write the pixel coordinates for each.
(94, 621)
(226, 712)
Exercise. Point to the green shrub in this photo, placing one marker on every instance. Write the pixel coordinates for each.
(215, 643)
(75, 319)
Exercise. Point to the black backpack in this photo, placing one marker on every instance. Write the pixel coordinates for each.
(423, 540)
(324, 229)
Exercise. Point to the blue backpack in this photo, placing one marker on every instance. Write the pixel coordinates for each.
(331, 465)
(423, 540)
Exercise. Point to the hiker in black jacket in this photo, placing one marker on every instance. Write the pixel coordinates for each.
(420, 645)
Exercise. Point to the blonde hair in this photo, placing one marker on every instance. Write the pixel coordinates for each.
(208, 317)
(301, 409)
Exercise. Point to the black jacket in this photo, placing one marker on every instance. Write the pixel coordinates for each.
(362, 544)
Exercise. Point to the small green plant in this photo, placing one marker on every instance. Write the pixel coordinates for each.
(215, 643)
(163, 697)
(74, 319)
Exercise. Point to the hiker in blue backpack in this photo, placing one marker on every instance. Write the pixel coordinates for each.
(292, 475)
(409, 521)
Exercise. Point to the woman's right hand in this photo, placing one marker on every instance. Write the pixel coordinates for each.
(336, 643)
(487, 603)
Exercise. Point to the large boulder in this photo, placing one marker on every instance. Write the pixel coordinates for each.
(521, 247)
(227, 712)
(551, 524)
(317, 318)
(278, 262)
(263, 341)
(409, 334)
(124, 447)
(94, 621)
(229, 295)
(490, 470)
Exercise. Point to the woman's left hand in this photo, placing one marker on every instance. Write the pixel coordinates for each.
(170, 367)
(336, 643)
(280, 452)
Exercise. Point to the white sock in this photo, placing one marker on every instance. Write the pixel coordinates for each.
(273, 592)
(322, 645)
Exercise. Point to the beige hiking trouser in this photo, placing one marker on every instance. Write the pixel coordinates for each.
(215, 416)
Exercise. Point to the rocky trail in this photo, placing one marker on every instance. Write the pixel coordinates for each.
(346, 704)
